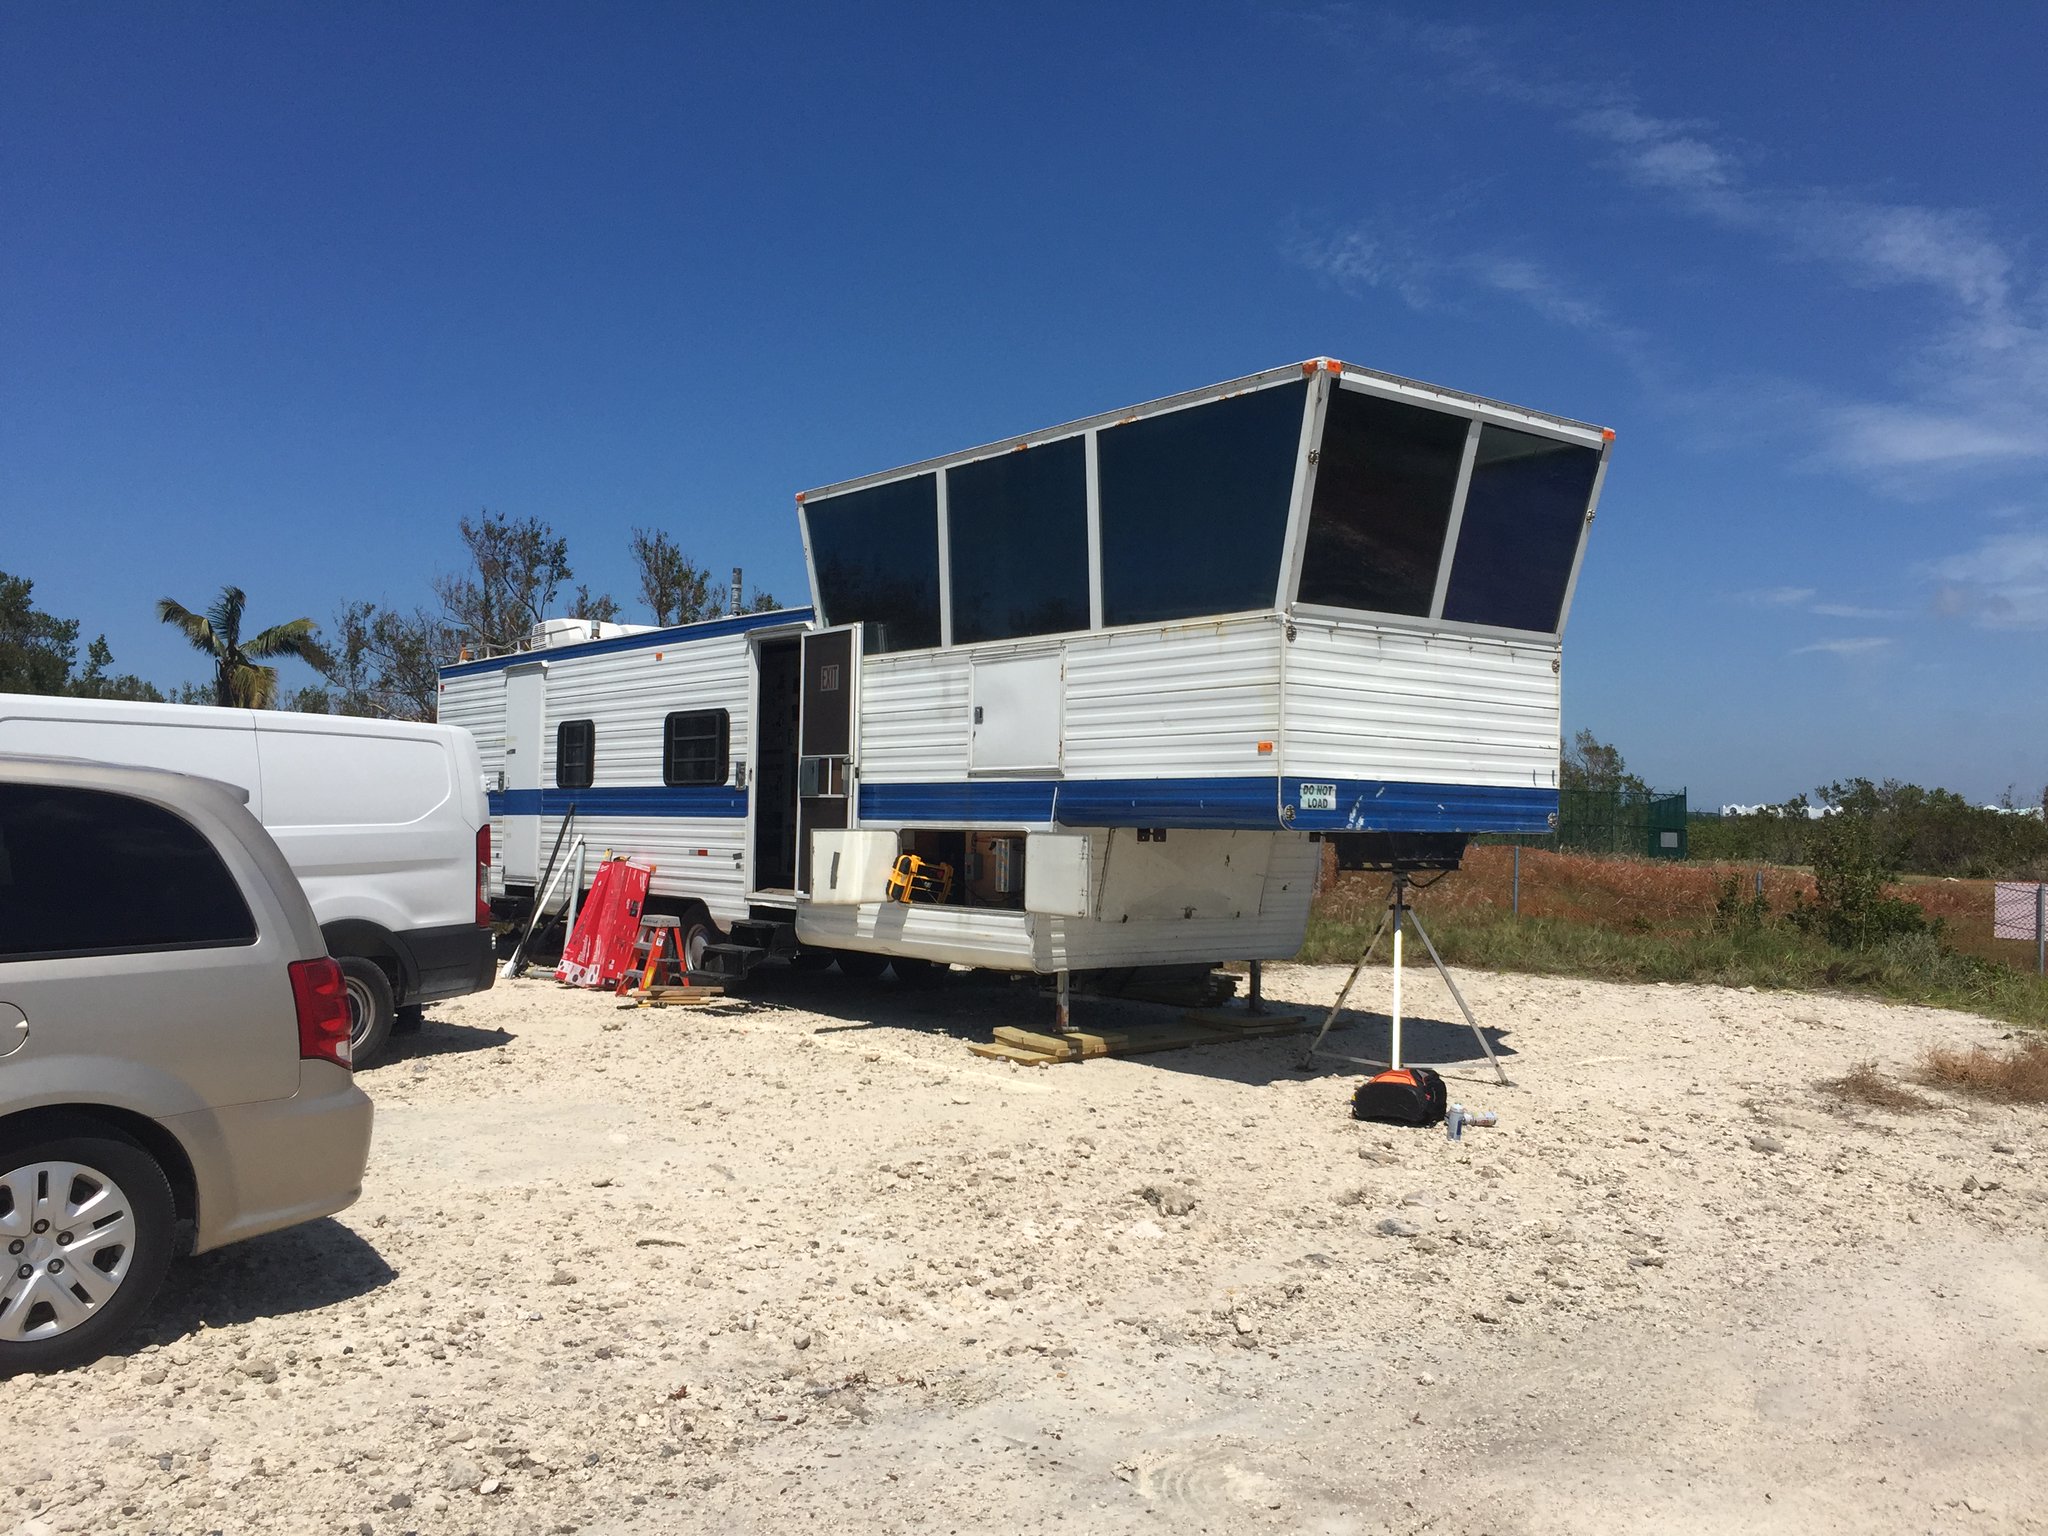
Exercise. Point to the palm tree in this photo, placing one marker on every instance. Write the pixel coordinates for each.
(238, 682)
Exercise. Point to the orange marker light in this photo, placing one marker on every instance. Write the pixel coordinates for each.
(1265, 747)
(1607, 434)
(1331, 365)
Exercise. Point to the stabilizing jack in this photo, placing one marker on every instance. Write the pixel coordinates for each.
(1400, 913)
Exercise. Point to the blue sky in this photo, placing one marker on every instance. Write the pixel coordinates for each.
(284, 290)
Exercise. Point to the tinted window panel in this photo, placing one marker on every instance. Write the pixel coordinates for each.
(694, 747)
(1523, 517)
(575, 754)
(1385, 479)
(1194, 506)
(87, 872)
(1017, 536)
(877, 557)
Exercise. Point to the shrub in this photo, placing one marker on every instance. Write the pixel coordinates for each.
(1852, 907)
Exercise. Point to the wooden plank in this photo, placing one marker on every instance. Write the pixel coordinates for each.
(1082, 1044)
(1001, 1052)
(1239, 1022)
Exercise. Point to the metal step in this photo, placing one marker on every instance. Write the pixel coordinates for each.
(727, 962)
(777, 939)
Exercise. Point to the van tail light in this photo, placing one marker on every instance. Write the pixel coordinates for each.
(322, 999)
(483, 875)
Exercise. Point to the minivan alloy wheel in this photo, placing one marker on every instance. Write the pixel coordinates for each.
(68, 1233)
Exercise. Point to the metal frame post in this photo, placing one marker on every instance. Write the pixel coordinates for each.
(1061, 1007)
(1517, 899)
(2041, 929)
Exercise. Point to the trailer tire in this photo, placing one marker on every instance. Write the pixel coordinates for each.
(861, 964)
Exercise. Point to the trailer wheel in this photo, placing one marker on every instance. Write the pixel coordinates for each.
(697, 934)
(861, 964)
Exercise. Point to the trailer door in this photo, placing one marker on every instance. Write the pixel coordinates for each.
(826, 737)
(526, 705)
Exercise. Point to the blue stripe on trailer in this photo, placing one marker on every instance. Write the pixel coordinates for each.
(623, 800)
(1220, 803)
(1365, 805)
(652, 640)
(987, 801)
(1369, 805)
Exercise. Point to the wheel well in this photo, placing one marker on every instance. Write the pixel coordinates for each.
(355, 939)
(48, 1120)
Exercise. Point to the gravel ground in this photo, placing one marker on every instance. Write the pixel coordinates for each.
(810, 1263)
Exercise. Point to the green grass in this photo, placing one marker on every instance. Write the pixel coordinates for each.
(1915, 969)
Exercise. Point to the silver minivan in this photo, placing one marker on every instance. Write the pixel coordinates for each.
(174, 1047)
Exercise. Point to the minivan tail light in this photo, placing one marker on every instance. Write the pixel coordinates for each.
(322, 999)
(483, 875)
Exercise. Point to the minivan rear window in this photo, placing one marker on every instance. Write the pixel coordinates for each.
(89, 872)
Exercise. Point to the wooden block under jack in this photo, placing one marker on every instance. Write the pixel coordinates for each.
(677, 997)
(1082, 1045)
(1239, 1022)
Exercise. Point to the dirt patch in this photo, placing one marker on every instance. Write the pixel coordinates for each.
(813, 1265)
(1865, 1085)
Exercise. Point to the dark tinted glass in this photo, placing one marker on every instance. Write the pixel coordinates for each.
(693, 747)
(575, 754)
(1523, 516)
(1017, 536)
(1385, 479)
(877, 557)
(87, 872)
(1194, 507)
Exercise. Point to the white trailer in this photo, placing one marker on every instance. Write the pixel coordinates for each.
(1117, 677)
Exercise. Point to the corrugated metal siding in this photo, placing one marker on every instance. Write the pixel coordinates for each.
(1365, 703)
(914, 717)
(1185, 701)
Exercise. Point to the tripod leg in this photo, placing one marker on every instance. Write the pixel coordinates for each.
(1349, 981)
(1445, 972)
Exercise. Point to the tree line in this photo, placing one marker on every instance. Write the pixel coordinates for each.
(375, 659)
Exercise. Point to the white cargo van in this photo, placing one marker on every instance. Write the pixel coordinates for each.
(383, 822)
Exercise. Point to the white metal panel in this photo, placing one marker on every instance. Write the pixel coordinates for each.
(1058, 873)
(1365, 702)
(1185, 875)
(476, 704)
(914, 716)
(1015, 709)
(1177, 701)
(849, 867)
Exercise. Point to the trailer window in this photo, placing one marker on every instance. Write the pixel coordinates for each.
(876, 553)
(1194, 506)
(58, 846)
(1524, 514)
(575, 754)
(1386, 475)
(694, 747)
(1017, 542)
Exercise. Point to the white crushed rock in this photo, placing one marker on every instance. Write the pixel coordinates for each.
(812, 1262)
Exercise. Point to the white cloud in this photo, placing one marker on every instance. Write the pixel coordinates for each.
(1859, 645)
(2002, 583)
(1775, 597)
(1972, 394)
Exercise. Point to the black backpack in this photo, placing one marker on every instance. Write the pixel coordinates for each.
(1410, 1096)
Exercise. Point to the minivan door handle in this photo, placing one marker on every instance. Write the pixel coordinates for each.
(13, 1029)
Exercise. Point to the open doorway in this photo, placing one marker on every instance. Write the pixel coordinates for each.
(778, 701)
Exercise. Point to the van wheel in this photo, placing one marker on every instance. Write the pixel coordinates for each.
(370, 1008)
(87, 1224)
